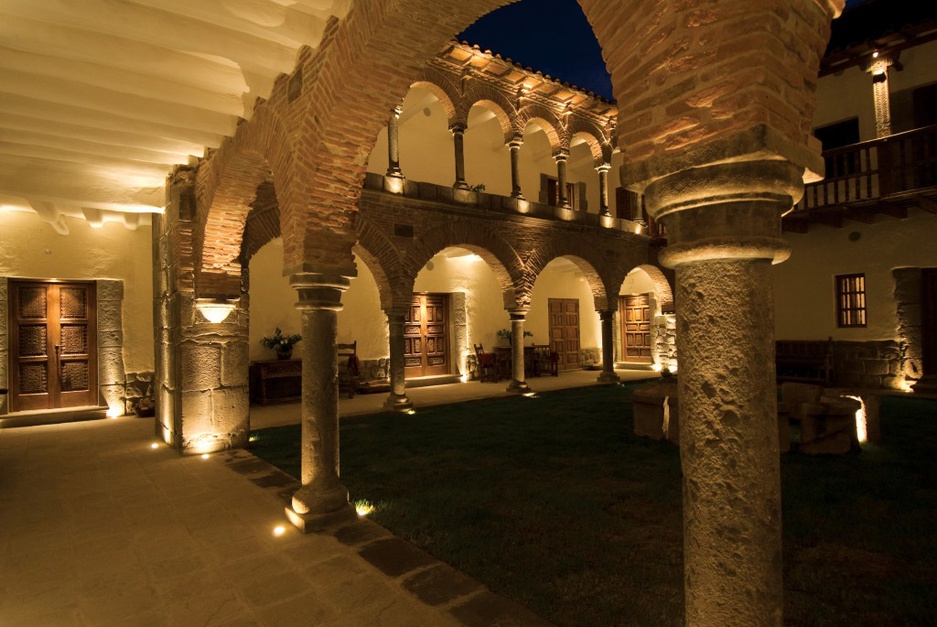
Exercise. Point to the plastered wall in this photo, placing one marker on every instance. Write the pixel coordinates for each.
(30, 248)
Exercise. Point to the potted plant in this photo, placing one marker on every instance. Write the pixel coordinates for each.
(282, 344)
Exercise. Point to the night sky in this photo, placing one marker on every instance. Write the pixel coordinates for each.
(550, 36)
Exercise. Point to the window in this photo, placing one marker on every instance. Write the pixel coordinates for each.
(840, 135)
(850, 300)
(553, 192)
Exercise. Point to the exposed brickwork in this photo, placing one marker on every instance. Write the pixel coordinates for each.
(868, 364)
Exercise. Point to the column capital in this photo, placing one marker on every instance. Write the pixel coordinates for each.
(319, 291)
(458, 127)
(518, 313)
(515, 142)
(561, 155)
(395, 312)
(396, 111)
(607, 313)
(725, 211)
(603, 167)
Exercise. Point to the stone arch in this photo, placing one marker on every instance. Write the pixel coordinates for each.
(227, 187)
(547, 120)
(662, 287)
(484, 242)
(494, 101)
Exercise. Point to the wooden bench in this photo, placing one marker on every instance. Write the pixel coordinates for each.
(805, 360)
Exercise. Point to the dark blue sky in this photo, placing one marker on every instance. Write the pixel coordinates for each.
(551, 36)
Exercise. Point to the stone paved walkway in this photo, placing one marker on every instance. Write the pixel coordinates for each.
(102, 524)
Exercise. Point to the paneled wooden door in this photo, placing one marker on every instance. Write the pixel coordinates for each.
(52, 344)
(636, 328)
(426, 337)
(564, 331)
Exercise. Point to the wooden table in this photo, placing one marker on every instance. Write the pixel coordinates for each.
(276, 381)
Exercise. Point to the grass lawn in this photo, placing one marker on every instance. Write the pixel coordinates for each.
(554, 502)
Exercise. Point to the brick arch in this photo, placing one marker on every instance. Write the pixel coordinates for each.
(494, 101)
(662, 287)
(486, 243)
(547, 119)
(594, 137)
(446, 92)
(341, 106)
(697, 84)
(226, 188)
(586, 258)
(263, 223)
(374, 247)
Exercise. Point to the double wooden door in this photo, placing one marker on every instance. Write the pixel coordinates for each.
(636, 328)
(52, 343)
(564, 331)
(426, 336)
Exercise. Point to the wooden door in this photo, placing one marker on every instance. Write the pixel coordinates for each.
(52, 342)
(636, 328)
(564, 331)
(425, 336)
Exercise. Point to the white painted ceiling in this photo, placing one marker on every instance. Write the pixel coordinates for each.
(99, 99)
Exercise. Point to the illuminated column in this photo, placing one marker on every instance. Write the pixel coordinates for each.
(397, 400)
(322, 499)
(515, 146)
(563, 198)
(603, 188)
(393, 144)
(518, 384)
(458, 129)
(608, 347)
(879, 69)
(724, 228)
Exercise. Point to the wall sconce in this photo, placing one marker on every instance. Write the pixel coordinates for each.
(215, 310)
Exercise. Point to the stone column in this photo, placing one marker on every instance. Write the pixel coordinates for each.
(458, 129)
(603, 188)
(515, 146)
(724, 228)
(562, 197)
(608, 347)
(518, 384)
(322, 500)
(397, 400)
(393, 144)
(881, 96)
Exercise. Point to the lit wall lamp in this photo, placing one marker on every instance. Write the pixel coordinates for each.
(216, 310)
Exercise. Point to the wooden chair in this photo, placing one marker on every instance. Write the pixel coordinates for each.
(487, 365)
(347, 355)
(547, 360)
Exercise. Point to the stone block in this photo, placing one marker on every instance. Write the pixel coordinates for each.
(231, 409)
(112, 396)
(234, 364)
(196, 412)
(200, 366)
(111, 366)
(909, 314)
(110, 289)
(109, 318)
(110, 339)
(876, 367)
(4, 373)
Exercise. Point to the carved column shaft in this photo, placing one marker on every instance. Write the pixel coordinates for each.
(882, 102)
(603, 188)
(458, 130)
(562, 196)
(515, 147)
(322, 496)
(608, 347)
(518, 384)
(397, 400)
(393, 144)
(724, 231)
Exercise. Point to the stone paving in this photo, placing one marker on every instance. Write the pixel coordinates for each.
(101, 527)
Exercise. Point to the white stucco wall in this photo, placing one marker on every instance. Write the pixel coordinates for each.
(562, 279)
(30, 248)
(804, 285)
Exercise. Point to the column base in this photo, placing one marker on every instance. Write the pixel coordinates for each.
(315, 510)
(398, 402)
(518, 387)
(460, 185)
(517, 196)
(314, 521)
(608, 377)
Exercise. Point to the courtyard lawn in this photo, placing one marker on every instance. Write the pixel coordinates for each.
(553, 501)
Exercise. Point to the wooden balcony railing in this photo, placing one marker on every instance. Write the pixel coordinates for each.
(863, 173)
